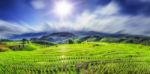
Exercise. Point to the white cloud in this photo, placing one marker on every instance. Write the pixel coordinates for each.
(38, 4)
(86, 20)
(110, 9)
(8, 29)
(110, 22)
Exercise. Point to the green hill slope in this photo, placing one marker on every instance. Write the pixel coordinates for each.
(84, 58)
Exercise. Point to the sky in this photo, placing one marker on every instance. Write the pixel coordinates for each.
(110, 16)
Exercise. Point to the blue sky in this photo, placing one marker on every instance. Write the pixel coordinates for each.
(112, 16)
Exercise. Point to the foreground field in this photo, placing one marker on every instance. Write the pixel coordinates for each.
(85, 58)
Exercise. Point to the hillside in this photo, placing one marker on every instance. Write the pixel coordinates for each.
(91, 58)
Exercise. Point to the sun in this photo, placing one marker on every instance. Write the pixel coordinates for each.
(63, 8)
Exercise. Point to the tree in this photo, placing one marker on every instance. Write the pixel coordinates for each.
(24, 42)
(70, 41)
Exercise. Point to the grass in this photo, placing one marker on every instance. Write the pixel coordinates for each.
(84, 58)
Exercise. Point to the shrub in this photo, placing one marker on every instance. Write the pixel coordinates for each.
(3, 48)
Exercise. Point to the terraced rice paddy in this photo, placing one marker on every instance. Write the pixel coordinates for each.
(85, 58)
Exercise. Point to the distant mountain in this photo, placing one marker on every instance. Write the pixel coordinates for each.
(27, 35)
(90, 33)
(62, 34)
(49, 35)
(62, 37)
(58, 37)
(101, 34)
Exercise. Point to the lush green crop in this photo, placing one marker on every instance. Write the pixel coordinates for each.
(84, 58)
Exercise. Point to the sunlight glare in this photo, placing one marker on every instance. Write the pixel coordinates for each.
(63, 8)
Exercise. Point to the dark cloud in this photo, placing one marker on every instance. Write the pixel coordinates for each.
(134, 7)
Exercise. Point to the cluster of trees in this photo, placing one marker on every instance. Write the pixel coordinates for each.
(70, 41)
(128, 39)
(23, 43)
(4, 40)
(121, 39)
(42, 42)
(90, 38)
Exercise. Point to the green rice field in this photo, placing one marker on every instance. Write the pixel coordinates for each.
(84, 58)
